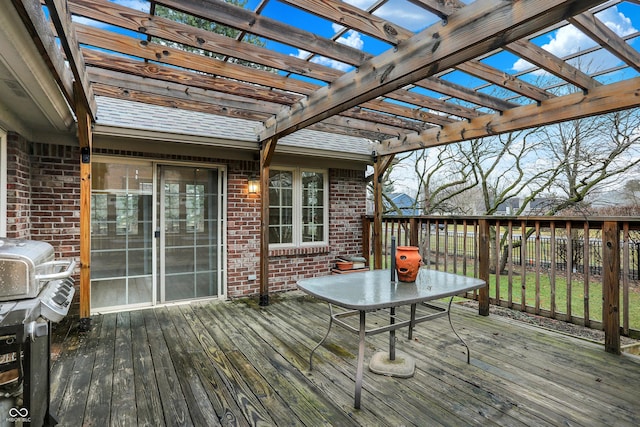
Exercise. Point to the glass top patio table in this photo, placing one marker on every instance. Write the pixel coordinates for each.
(372, 290)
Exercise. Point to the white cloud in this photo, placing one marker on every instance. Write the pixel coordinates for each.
(331, 63)
(303, 54)
(141, 5)
(569, 39)
(407, 15)
(617, 21)
(352, 39)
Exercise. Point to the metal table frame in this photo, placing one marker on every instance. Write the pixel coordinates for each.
(360, 293)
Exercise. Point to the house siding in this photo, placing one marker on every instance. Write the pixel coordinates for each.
(44, 204)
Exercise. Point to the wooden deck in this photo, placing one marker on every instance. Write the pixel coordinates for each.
(237, 364)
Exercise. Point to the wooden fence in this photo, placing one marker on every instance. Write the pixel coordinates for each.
(583, 271)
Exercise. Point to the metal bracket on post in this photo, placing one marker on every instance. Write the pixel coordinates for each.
(85, 155)
(85, 324)
(264, 300)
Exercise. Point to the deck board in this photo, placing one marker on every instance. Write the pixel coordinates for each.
(236, 364)
(148, 403)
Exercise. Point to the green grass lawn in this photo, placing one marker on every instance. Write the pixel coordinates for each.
(577, 295)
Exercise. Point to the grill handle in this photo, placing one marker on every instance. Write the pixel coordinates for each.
(67, 272)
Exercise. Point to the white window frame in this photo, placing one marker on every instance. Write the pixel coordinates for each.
(3, 183)
(297, 208)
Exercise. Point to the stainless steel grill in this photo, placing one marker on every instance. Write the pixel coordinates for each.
(35, 290)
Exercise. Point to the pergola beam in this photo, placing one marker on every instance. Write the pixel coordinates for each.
(599, 100)
(551, 63)
(589, 24)
(61, 18)
(35, 22)
(470, 32)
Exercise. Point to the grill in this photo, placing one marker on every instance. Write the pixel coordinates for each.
(35, 290)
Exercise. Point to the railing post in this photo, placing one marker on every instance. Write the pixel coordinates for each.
(483, 261)
(413, 232)
(611, 286)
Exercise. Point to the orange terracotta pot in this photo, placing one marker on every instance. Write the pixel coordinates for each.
(408, 262)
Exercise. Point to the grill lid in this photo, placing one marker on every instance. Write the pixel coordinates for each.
(34, 250)
(21, 262)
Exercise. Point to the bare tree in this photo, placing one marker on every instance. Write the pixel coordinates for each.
(442, 179)
(591, 153)
(506, 167)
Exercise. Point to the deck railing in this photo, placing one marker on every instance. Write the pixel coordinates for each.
(570, 269)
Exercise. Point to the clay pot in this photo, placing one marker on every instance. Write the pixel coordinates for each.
(344, 265)
(408, 262)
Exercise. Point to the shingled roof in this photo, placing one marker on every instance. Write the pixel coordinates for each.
(214, 129)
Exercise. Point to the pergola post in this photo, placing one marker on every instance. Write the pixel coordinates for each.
(611, 286)
(266, 154)
(379, 167)
(85, 139)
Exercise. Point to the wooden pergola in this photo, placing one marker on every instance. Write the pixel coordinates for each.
(402, 98)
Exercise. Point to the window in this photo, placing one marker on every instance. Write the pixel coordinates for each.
(297, 207)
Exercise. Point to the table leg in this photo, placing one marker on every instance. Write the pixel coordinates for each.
(360, 368)
(412, 321)
(323, 339)
(392, 335)
(454, 331)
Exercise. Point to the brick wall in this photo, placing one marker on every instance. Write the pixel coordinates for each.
(44, 194)
(243, 231)
(55, 197)
(18, 187)
(347, 205)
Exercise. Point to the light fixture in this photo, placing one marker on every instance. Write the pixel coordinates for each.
(253, 184)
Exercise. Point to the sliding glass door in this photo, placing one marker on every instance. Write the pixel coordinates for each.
(190, 228)
(157, 234)
(122, 256)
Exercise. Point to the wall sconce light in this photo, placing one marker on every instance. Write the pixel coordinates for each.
(253, 184)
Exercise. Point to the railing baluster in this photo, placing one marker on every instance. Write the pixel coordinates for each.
(625, 278)
(569, 264)
(455, 247)
(523, 267)
(537, 268)
(437, 232)
(510, 280)
(483, 257)
(464, 247)
(385, 245)
(445, 230)
(497, 260)
(585, 273)
(554, 261)
(476, 246)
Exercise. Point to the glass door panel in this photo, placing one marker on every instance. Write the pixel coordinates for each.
(121, 235)
(190, 215)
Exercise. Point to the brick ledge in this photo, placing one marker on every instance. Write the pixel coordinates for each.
(311, 250)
